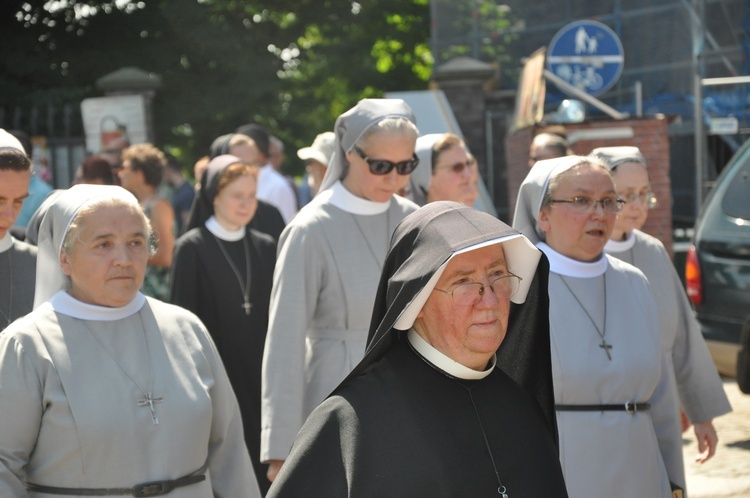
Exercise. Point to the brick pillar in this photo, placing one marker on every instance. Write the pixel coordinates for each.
(465, 82)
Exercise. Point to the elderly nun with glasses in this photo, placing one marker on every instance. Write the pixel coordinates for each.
(702, 395)
(454, 395)
(329, 261)
(615, 397)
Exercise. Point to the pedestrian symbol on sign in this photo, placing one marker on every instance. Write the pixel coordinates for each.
(585, 44)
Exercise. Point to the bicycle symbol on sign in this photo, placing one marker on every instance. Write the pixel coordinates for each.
(581, 77)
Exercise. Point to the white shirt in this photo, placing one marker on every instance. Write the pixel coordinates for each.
(274, 189)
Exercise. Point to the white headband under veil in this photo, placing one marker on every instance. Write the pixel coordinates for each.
(351, 125)
(60, 213)
(532, 191)
(421, 177)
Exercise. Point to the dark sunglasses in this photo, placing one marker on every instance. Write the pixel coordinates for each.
(383, 167)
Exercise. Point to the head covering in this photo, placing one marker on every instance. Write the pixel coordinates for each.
(259, 135)
(220, 145)
(532, 191)
(351, 125)
(612, 157)
(421, 247)
(321, 149)
(203, 204)
(32, 229)
(419, 182)
(60, 212)
(9, 141)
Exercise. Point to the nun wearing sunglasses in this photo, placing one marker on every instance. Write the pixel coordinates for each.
(329, 262)
(447, 171)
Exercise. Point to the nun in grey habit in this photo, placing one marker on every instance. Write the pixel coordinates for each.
(615, 400)
(105, 391)
(329, 261)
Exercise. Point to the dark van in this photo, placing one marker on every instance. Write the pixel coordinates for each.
(717, 271)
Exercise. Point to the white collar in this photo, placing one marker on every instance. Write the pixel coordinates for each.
(340, 197)
(620, 245)
(571, 267)
(442, 362)
(64, 303)
(213, 226)
(6, 242)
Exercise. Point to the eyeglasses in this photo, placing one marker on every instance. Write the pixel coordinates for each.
(468, 293)
(458, 168)
(646, 198)
(582, 204)
(383, 167)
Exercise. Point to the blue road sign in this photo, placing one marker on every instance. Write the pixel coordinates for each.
(588, 55)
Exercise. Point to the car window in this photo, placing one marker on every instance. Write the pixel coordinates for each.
(736, 202)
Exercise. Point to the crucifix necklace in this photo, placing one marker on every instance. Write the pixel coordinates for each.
(602, 333)
(244, 287)
(148, 398)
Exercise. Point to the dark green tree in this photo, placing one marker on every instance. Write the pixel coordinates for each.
(292, 66)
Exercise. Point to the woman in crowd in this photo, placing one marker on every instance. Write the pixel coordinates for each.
(329, 261)
(141, 173)
(105, 391)
(432, 410)
(701, 392)
(615, 398)
(446, 172)
(222, 272)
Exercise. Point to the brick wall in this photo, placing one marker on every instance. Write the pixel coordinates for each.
(649, 134)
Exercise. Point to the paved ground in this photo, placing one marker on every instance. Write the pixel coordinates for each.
(727, 474)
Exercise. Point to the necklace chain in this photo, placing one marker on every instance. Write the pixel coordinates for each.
(245, 288)
(502, 491)
(374, 255)
(603, 332)
(148, 399)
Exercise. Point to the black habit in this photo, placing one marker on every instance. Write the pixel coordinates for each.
(204, 283)
(400, 426)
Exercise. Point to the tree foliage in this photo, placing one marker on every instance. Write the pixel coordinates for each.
(291, 65)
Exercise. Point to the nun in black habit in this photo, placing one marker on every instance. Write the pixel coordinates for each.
(438, 407)
(223, 272)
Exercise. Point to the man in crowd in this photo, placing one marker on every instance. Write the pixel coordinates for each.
(272, 186)
(547, 146)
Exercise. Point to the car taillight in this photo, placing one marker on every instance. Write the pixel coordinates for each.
(693, 282)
